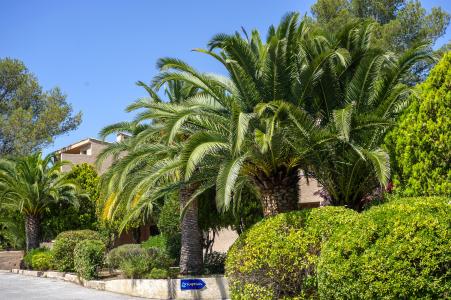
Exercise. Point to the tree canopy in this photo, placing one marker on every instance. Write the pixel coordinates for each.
(29, 116)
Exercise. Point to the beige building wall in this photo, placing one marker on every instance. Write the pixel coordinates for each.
(85, 151)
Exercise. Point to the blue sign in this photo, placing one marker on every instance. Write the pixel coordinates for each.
(192, 284)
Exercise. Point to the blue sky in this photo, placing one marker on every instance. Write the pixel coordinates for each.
(95, 51)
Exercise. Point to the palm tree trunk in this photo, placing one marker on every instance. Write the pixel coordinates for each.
(278, 193)
(32, 232)
(191, 261)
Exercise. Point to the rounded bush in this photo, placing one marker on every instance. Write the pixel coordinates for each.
(28, 257)
(42, 261)
(63, 248)
(277, 257)
(398, 250)
(116, 255)
(88, 257)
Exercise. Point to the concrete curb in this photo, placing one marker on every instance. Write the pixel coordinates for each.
(216, 287)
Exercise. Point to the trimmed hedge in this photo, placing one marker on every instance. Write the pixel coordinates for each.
(277, 257)
(63, 248)
(398, 250)
(88, 257)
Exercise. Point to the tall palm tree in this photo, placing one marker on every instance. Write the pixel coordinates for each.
(149, 169)
(29, 184)
(288, 67)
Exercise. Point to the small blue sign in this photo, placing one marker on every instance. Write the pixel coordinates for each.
(192, 284)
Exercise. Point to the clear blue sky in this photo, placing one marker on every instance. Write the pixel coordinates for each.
(96, 50)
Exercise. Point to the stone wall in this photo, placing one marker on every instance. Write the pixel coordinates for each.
(10, 259)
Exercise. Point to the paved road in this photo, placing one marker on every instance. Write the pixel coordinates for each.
(20, 287)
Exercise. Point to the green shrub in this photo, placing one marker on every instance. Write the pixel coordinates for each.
(39, 259)
(88, 257)
(169, 226)
(277, 257)
(157, 273)
(116, 255)
(135, 266)
(420, 145)
(398, 250)
(43, 261)
(28, 257)
(63, 248)
(214, 263)
(157, 241)
(135, 261)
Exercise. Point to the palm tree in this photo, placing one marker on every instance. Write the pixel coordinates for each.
(148, 169)
(368, 98)
(286, 105)
(28, 185)
(237, 135)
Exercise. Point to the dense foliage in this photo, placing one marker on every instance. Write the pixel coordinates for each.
(61, 217)
(88, 258)
(421, 142)
(28, 257)
(65, 243)
(29, 117)
(277, 257)
(137, 262)
(214, 263)
(43, 261)
(399, 250)
(115, 256)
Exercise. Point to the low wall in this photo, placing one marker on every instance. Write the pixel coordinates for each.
(10, 259)
(215, 287)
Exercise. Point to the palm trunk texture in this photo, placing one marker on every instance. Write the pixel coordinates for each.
(32, 232)
(191, 261)
(279, 193)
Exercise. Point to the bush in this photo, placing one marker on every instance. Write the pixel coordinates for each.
(28, 257)
(277, 257)
(169, 226)
(39, 259)
(157, 273)
(88, 257)
(43, 261)
(63, 248)
(158, 241)
(398, 250)
(136, 265)
(135, 261)
(420, 145)
(116, 255)
(214, 263)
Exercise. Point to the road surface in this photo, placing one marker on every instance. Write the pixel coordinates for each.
(20, 287)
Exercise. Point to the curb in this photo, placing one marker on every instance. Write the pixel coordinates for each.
(145, 288)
